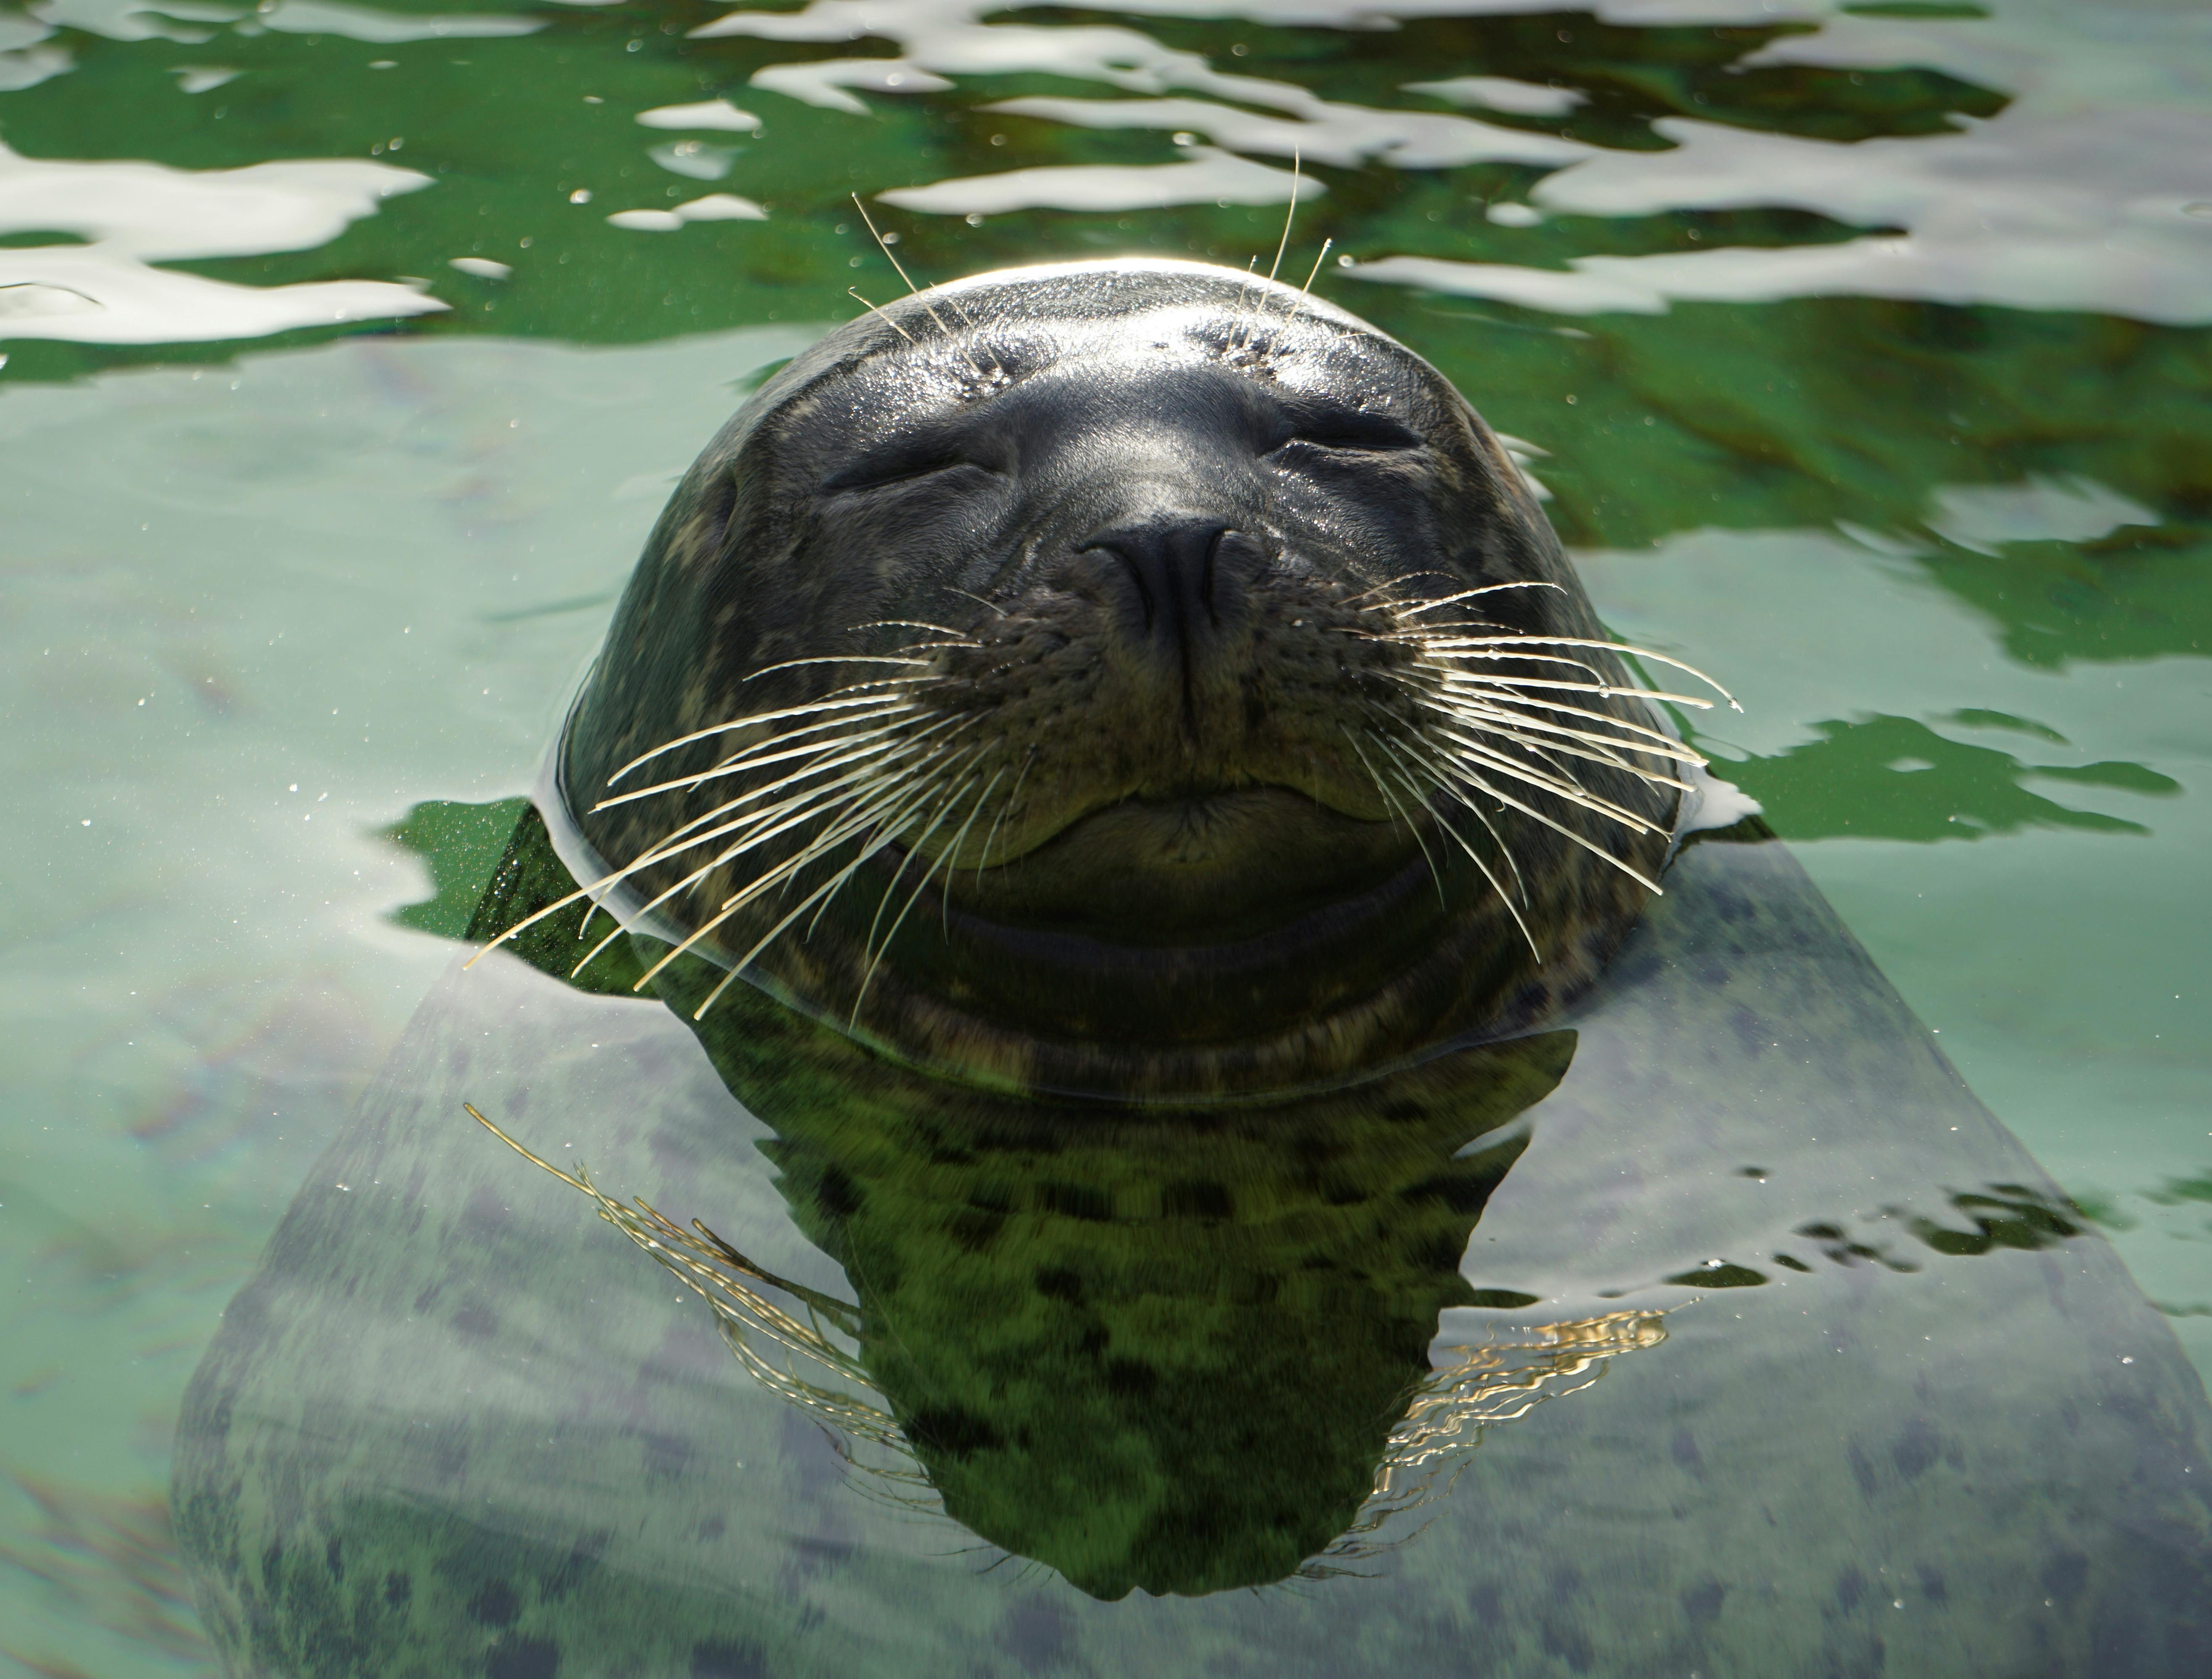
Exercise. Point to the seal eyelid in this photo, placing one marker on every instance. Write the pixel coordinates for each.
(1352, 430)
(907, 463)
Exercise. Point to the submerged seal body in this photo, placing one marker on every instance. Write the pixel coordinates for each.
(1131, 677)
(1215, 1061)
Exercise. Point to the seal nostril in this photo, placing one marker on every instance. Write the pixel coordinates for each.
(1178, 581)
(1136, 575)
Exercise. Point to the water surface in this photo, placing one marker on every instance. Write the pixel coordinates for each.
(350, 351)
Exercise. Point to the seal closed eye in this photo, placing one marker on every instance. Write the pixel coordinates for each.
(1128, 678)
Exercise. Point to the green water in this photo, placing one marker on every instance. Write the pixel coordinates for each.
(1866, 349)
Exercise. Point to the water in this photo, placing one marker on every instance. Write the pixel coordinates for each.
(1866, 350)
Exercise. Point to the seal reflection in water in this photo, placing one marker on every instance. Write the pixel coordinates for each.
(1192, 849)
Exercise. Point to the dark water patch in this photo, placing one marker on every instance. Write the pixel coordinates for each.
(461, 844)
(2006, 1215)
(1894, 778)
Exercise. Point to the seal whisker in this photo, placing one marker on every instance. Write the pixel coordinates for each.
(883, 244)
(910, 623)
(897, 267)
(1305, 291)
(1390, 583)
(872, 826)
(1426, 753)
(1314, 273)
(1415, 611)
(1232, 342)
(995, 609)
(1631, 736)
(855, 292)
(1290, 215)
(821, 895)
(1005, 811)
(1621, 748)
(660, 852)
(772, 820)
(1398, 813)
(1425, 635)
(869, 847)
(873, 817)
(833, 659)
(1445, 659)
(1489, 719)
(761, 826)
(1489, 688)
(688, 881)
(870, 953)
(732, 904)
(1504, 897)
(1603, 690)
(814, 803)
(1614, 647)
(887, 777)
(1563, 786)
(746, 761)
(1546, 749)
(1472, 778)
(944, 902)
(740, 722)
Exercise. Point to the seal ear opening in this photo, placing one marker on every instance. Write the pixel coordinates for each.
(722, 504)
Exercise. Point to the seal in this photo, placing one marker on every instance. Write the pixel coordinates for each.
(1215, 1054)
(1130, 677)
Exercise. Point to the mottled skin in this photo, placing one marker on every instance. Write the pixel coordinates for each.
(1164, 509)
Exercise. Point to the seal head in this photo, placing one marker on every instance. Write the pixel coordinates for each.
(1133, 678)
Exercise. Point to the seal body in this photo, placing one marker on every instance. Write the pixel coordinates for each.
(1904, 1414)
(1126, 677)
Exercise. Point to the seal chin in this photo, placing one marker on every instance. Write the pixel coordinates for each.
(1092, 967)
(1207, 868)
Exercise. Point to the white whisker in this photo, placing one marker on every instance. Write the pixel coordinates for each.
(1298, 167)
(1005, 810)
(1462, 773)
(759, 757)
(1390, 583)
(1415, 611)
(1314, 273)
(1562, 786)
(868, 953)
(833, 658)
(737, 901)
(1504, 897)
(855, 291)
(1427, 753)
(1389, 799)
(829, 704)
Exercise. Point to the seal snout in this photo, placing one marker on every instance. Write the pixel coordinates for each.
(1174, 595)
